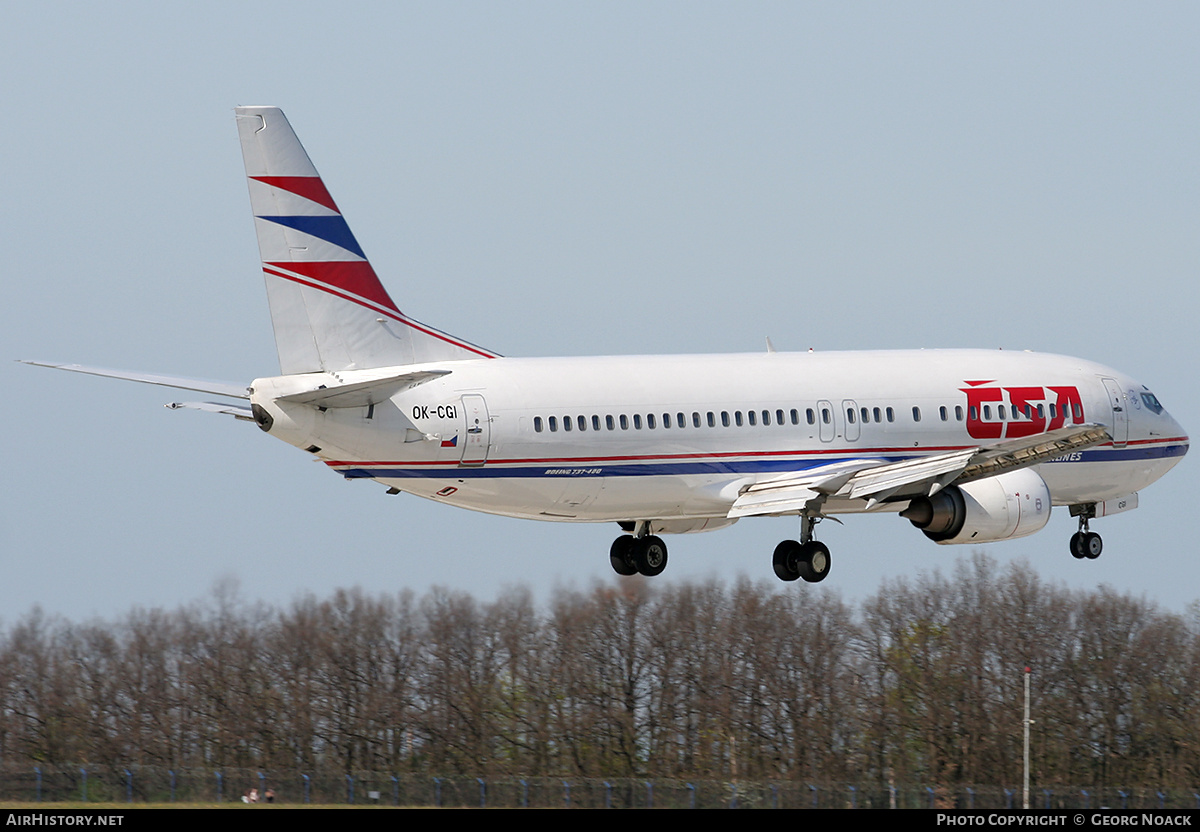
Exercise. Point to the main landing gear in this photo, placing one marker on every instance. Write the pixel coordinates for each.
(807, 558)
(1085, 543)
(638, 553)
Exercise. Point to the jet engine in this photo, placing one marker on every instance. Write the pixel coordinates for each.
(1009, 505)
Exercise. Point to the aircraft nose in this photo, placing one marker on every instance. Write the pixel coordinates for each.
(1178, 433)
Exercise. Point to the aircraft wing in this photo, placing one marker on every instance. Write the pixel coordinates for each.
(216, 388)
(878, 481)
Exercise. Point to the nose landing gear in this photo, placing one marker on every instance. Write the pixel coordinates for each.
(1085, 543)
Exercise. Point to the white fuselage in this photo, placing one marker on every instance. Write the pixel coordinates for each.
(677, 438)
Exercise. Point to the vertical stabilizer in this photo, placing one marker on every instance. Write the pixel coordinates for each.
(328, 308)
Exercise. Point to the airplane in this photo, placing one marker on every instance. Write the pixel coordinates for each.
(969, 446)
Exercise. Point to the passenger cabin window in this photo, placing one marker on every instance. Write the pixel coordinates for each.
(637, 421)
(812, 416)
(916, 414)
(891, 415)
(608, 421)
(624, 422)
(537, 424)
(695, 419)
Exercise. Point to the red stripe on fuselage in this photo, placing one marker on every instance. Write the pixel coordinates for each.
(567, 460)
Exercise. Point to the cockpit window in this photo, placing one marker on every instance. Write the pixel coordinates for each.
(1151, 402)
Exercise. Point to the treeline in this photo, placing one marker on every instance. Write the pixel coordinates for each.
(921, 683)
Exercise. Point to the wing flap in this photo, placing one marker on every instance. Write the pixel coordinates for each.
(793, 493)
(877, 481)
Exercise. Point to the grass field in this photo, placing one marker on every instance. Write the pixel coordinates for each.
(125, 807)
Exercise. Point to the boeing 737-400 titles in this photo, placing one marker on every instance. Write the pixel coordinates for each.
(968, 445)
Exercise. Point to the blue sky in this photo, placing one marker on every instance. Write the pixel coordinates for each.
(578, 179)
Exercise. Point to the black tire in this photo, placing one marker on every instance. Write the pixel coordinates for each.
(621, 556)
(814, 561)
(1077, 550)
(786, 560)
(650, 555)
(1092, 545)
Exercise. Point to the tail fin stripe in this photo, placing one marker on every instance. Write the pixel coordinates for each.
(309, 187)
(331, 229)
(353, 276)
(390, 310)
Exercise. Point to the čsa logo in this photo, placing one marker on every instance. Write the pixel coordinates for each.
(1011, 412)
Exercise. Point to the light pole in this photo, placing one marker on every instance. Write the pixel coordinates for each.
(1027, 721)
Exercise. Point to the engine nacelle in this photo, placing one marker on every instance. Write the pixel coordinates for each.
(1010, 505)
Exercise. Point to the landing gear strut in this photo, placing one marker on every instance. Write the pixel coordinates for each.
(1085, 543)
(807, 558)
(638, 553)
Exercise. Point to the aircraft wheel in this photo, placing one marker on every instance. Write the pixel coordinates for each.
(1077, 550)
(650, 555)
(814, 561)
(1092, 545)
(786, 560)
(621, 556)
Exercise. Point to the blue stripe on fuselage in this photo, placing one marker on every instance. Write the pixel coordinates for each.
(661, 469)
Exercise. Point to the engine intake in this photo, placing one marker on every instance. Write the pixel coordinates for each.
(1010, 505)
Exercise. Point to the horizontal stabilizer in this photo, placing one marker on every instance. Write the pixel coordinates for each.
(362, 393)
(237, 411)
(216, 388)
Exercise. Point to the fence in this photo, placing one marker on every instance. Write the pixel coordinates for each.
(146, 784)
